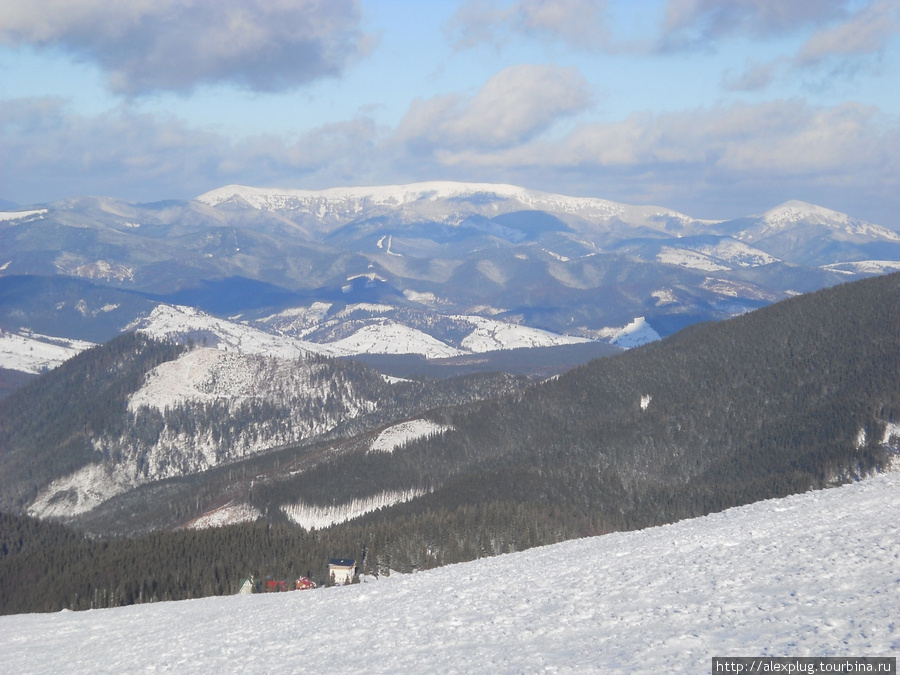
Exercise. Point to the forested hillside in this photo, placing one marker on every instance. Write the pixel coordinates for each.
(47, 427)
(137, 410)
(800, 395)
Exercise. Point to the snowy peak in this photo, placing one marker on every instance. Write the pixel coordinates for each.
(487, 198)
(795, 212)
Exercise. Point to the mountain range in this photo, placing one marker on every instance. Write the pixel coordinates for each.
(141, 434)
(438, 270)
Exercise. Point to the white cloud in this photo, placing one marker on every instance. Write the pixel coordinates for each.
(866, 32)
(154, 45)
(698, 22)
(720, 161)
(515, 105)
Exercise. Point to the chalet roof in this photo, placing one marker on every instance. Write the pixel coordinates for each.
(343, 562)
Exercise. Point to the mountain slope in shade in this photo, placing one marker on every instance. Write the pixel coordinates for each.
(811, 574)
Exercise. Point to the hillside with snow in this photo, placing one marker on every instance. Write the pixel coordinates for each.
(809, 575)
(33, 353)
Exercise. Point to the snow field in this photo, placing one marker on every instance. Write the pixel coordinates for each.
(309, 516)
(36, 353)
(394, 436)
(816, 574)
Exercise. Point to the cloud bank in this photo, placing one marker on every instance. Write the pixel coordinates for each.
(176, 45)
(714, 161)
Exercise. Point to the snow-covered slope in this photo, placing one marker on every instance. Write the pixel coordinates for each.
(388, 337)
(635, 334)
(808, 575)
(489, 335)
(337, 205)
(11, 216)
(32, 353)
(180, 323)
(396, 435)
(239, 405)
(795, 214)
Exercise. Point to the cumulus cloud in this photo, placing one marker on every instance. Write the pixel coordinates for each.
(515, 105)
(580, 23)
(176, 45)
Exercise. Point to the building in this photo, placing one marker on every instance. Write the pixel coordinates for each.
(342, 570)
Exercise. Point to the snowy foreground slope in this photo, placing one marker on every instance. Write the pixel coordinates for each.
(816, 574)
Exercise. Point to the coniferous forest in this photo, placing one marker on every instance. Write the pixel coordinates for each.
(796, 396)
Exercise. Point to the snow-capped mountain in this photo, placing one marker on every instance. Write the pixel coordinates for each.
(811, 574)
(453, 268)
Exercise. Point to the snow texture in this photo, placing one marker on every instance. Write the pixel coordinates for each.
(809, 575)
(490, 335)
(230, 514)
(686, 258)
(168, 322)
(635, 334)
(336, 205)
(32, 353)
(80, 492)
(389, 337)
(795, 211)
(314, 516)
(6, 216)
(865, 267)
(393, 437)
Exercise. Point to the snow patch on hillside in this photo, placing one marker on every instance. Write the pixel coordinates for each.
(873, 267)
(490, 335)
(181, 323)
(7, 216)
(79, 492)
(811, 574)
(638, 332)
(297, 321)
(35, 353)
(313, 516)
(389, 337)
(687, 258)
(230, 514)
(393, 437)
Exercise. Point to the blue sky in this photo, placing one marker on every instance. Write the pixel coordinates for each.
(716, 108)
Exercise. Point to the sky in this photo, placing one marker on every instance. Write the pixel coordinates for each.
(715, 108)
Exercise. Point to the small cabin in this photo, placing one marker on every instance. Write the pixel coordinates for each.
(342, 570)
(303, 584)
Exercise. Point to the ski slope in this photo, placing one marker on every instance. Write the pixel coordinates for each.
(816, 574)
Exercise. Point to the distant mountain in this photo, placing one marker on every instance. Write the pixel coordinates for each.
(422, 255)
